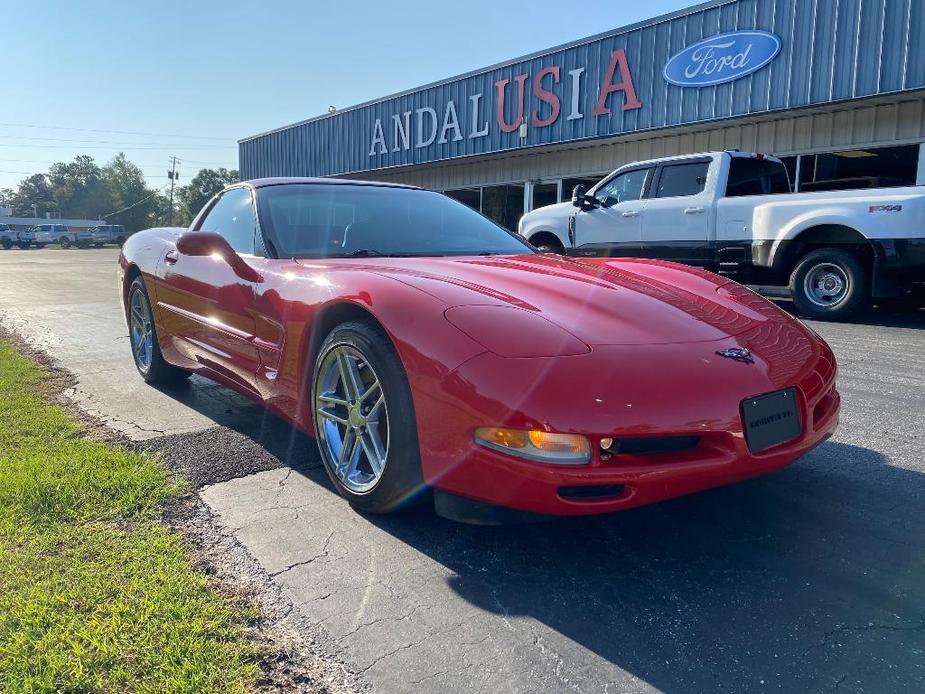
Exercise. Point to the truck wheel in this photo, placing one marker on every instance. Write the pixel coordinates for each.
(546, 243)
(65, 242)
(23, 246)
(6, 243)
(829, 284)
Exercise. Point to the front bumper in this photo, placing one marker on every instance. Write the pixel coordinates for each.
(624, 393)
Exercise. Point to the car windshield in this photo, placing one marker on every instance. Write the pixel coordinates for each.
(343, 220)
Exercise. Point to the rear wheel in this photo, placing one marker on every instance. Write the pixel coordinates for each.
(364, 419)
(143, 339)
(829, 284)
(6, 243)
(65, 242)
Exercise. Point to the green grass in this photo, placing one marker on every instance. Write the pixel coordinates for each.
(95, 593)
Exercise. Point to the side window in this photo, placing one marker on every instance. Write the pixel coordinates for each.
(749, 176)
(233, 217)
(680, 180)
(626, 186)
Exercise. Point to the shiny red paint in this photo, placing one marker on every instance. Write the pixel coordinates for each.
(601, 347)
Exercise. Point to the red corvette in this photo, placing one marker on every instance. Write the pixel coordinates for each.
(426, 348)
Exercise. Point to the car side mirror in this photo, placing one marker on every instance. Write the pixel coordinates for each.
(208, 243)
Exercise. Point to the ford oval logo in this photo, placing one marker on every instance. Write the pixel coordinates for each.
(722, 58)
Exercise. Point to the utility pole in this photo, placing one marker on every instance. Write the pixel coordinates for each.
(173, 176)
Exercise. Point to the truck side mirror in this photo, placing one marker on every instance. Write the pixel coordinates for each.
(578, 195)
(582, 200)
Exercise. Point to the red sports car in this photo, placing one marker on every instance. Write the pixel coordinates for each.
(426, 348)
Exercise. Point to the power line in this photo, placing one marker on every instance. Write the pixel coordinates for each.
(140, 165)
(134, 204)
(110, 132)
(101, 142)
(130, 148)
(45, 173)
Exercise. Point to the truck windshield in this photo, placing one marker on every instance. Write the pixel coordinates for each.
(749, 176)
(309, 220)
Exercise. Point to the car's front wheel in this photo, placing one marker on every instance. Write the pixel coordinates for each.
(364, 419)
(146, 352)
(6, 243)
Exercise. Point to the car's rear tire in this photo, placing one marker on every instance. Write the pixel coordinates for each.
(830, 284)
(65, 242)
(146, 352)
(364, 419)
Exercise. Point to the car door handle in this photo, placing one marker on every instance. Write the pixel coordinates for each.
(694, 210)
(171, 257)
(631, 213)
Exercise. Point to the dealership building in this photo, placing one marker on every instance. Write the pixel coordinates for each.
(836, 88)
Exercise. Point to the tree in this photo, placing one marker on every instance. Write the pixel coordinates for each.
(34, 190)
(200, 190)
(78, 189)
(135, 205)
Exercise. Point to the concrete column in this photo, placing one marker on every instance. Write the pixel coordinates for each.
(920, 175)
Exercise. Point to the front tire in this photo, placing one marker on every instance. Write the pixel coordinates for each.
(146, 352)
(830, 284)
(7, 244)
(364, 419)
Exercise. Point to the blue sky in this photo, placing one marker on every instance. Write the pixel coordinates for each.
(190, 78)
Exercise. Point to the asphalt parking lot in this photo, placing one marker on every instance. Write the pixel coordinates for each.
(809, 580)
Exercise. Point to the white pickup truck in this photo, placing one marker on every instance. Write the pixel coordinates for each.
(733, 213)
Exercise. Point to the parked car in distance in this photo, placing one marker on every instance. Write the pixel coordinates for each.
(60, 234)
(10, 237)
(107, 233)
(733, 213)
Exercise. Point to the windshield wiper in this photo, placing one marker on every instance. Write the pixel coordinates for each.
(363, 252)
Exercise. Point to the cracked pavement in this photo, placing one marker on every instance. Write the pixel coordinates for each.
(809, 580)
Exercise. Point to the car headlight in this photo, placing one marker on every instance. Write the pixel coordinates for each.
(540, 446)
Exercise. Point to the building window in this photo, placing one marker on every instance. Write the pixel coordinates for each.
(467, 196)
(545, 194)
(884, 167)
(568, 185)
(504, 204)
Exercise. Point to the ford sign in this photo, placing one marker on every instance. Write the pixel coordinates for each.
(722, 58)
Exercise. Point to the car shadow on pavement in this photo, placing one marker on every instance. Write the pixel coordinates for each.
(913, 318)
(799, 580)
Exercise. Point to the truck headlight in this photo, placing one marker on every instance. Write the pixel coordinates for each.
(539, 446)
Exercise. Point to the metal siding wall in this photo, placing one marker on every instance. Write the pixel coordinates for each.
(832, 50)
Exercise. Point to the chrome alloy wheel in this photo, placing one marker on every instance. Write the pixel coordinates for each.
(141, 332)
(826, 285)
(352, 418)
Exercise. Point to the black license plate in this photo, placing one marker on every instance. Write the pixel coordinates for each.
(771, 419)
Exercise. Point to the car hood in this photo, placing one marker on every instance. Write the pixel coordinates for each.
(600, 301)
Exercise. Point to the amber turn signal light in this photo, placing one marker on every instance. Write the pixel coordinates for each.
(541, 446)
